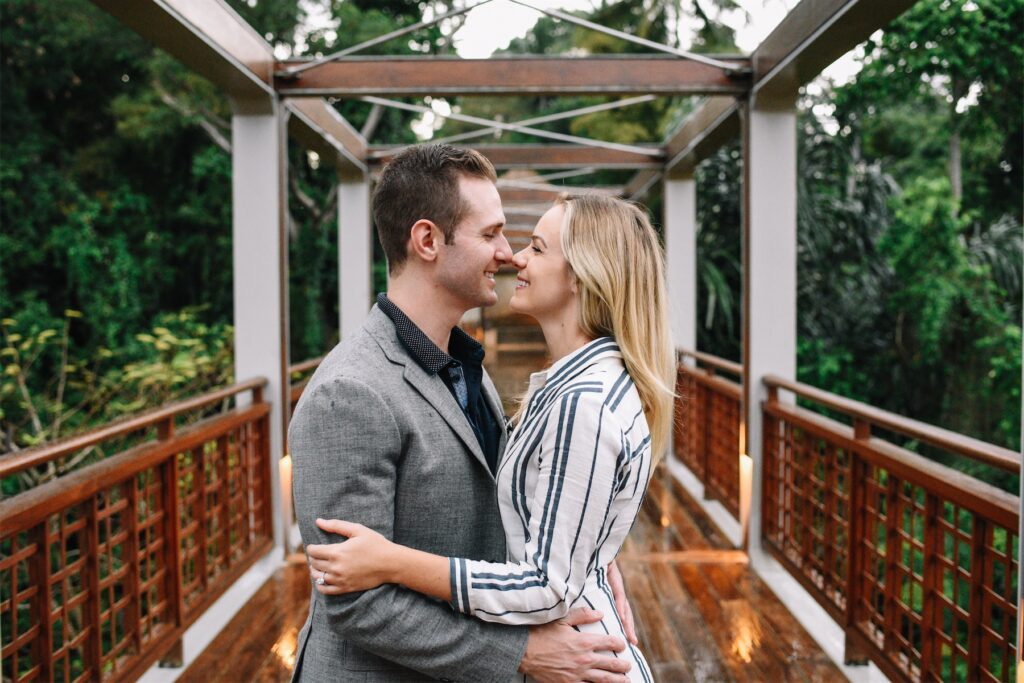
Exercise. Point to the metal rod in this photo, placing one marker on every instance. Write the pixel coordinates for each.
(296, 70)
(588, 142)
(563, 174)
(710, 61)
(617, 104)
(547, 187)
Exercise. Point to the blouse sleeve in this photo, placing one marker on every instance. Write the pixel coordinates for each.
(583, 463)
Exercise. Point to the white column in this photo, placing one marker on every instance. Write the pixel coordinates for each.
(260, 258)
(769, 343)
(355, 254)
(681, 259)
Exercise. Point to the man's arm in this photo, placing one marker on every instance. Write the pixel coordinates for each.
(345, 447)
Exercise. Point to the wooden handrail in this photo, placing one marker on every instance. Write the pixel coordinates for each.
(306, 365)
(969, 447)
(717, 383)
(33, 506)
(713, 361)
(12, 463)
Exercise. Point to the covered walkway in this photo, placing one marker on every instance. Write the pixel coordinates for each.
(702, 613)
(914, 565)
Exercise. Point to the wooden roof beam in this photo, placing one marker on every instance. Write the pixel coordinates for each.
(548, 156)
(210, 39)
(529, 75)
(812, 36)
(319, 126)
(709, 127)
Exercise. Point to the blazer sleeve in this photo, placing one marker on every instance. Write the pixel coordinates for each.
(346, 446)
(583, 464)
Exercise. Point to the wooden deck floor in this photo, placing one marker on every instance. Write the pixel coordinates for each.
(703, 615)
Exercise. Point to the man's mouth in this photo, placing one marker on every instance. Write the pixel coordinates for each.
(489, 275)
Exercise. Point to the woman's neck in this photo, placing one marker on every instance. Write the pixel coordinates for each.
(563, 336)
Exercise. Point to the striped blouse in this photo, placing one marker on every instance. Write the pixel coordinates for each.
(569, 488)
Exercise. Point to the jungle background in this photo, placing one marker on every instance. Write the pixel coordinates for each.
(115, 226)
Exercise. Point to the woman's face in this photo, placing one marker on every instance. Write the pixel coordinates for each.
(545, 288)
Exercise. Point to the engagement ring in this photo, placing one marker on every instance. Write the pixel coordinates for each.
(323, 577)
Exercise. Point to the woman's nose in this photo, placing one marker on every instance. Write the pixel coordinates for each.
(519, 258)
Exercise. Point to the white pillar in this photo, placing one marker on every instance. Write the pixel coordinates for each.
(260, 258)
(355, 254)
(681, 259)
(769, 326)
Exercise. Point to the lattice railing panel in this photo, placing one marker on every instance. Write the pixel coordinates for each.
(917, 561)
(93, 583)
(689, 431)
(723, 460)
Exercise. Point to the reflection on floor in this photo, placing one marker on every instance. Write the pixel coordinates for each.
(702, 614)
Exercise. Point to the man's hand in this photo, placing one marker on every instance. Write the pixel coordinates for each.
(558, 653)
(621, 602)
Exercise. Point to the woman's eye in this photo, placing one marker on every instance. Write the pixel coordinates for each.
(535, 250)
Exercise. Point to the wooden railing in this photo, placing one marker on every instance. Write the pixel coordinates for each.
(916, 560)
(299, 374)
(103, 569)
(707, 422)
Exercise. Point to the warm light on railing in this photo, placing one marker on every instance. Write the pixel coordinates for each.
(285, 468)
(746, 490)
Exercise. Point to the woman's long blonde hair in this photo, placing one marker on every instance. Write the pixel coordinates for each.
(619, 266)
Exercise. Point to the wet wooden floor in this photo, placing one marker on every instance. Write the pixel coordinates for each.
(702, 614)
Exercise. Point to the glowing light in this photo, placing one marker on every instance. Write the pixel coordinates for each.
(285, 648)
(746, 488)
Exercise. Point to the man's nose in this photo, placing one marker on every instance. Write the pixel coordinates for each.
(504, 253)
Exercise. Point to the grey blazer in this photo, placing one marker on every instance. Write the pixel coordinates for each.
(378, 441)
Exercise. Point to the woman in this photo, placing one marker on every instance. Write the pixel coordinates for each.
(587, 434)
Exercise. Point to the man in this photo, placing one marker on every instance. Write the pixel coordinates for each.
(401, 430)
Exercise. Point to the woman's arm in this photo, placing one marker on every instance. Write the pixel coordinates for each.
(582, 460)
(367, 560)
(585, 465)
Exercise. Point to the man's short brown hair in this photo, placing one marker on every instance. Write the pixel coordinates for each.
(422, 183)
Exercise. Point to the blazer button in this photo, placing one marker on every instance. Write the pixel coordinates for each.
(446, 680)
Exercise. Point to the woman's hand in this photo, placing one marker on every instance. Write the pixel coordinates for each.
(358, 564)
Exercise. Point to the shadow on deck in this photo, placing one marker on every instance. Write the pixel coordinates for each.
(702, 614)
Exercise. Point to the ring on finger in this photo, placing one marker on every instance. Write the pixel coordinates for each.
(322, 579)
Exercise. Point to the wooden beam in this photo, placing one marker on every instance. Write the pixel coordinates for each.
(547, 156)
(812, 36)
(713, 124)
(319, 126)
(640, 184)
(207, 37)
(530, 75)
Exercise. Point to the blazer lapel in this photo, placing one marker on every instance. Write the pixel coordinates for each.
(430, 387)
(494, 402)
(433, 389)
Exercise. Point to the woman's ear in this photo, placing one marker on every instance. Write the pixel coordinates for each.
(424, 239)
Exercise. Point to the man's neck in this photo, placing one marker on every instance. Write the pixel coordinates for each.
(428, 305)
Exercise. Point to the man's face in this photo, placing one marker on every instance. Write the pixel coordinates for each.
(466, 267)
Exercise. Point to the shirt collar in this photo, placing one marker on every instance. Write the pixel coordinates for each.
(429, 356)
(575, 362)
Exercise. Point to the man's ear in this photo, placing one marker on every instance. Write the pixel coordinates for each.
(424, 239)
